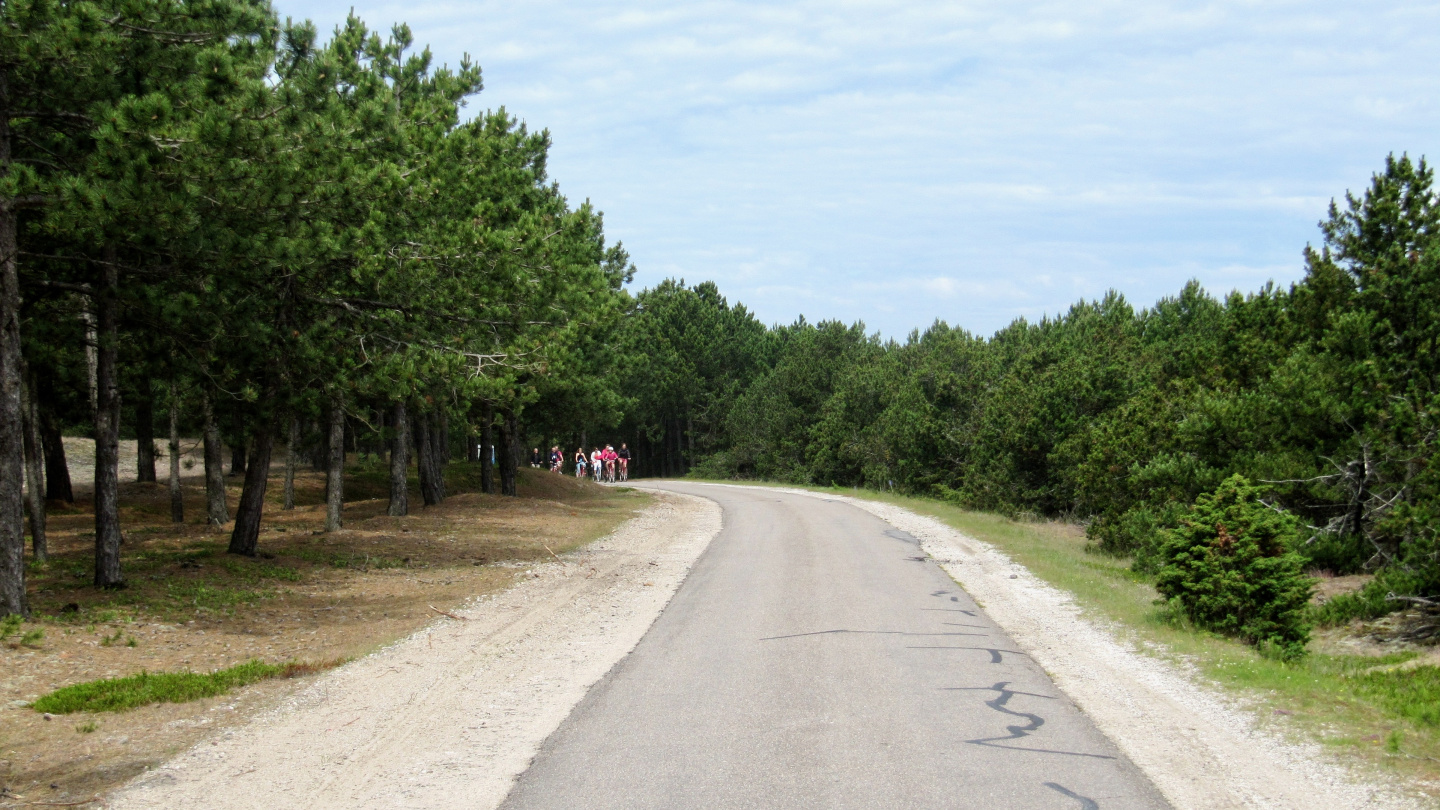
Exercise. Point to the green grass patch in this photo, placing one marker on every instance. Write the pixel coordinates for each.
(121, 694)
(251, 572)
(1413, 694)
(350, 560)
(12, 632)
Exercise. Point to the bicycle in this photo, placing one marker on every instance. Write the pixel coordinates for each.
(624, 470)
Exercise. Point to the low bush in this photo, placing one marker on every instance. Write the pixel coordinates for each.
(1230, 566)
(1370, 601)
(1135, 533)
(1338, 554)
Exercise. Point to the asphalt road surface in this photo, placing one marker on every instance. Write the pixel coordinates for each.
(815, 657)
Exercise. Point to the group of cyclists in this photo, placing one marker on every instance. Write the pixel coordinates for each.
(606, 465)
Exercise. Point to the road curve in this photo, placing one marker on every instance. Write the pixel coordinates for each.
(815, 657)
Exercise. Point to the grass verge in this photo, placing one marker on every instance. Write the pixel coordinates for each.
(1367, 708)
(145, 688)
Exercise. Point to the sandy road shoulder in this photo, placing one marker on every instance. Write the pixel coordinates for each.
(451, 715)
(1202, 753)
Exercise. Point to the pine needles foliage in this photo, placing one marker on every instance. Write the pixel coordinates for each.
(1230, 566)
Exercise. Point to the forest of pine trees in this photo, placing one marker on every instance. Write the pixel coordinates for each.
(1324, 396)
(215, 224)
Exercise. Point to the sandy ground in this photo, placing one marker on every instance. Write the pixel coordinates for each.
(80, 458)
(1199, 750)
(451, 715)
(311, 597)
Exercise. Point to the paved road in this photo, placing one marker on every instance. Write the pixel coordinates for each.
(814, 657)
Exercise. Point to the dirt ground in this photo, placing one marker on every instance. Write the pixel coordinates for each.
(311, 597)
(447, 718)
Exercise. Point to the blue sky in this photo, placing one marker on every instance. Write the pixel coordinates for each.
(969, 161)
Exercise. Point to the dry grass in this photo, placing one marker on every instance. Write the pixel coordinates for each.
(310, 598)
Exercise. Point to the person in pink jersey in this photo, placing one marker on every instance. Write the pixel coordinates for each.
(610, 457)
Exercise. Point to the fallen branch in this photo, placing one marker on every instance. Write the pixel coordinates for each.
(1419, 600)
(90, 800)
(447, 613)
(553, 554)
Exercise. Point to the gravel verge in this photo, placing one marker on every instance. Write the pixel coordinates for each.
(448, 717)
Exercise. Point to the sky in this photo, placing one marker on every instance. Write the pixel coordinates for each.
(972, 162)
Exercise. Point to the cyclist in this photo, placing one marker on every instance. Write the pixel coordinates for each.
(597, 464)
(579, 462)
(610, 463)
(624, 454)
(556, 459)
(535, 457)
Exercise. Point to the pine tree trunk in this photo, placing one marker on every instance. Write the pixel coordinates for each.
(509, 450)
(12, 450)
(57, 469)
(442, 439)
(292, 452)
(107, 429)
(145, 432)
(92, 359)
(382, 447)
(177, 496)
(216, 513)
(34, 469)
(487, 448)
(321, 457)
(679, 448)
(237, 459)
(419, 428)
(335, 474)
(472, 453)
(427, 461)
(400, 463)
(665, 457)
(245, 537)
(438, 457)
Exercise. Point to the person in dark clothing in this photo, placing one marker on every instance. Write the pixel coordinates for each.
(535, 458)
(623, 454)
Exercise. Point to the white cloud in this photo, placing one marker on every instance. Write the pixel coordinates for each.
(974, 161)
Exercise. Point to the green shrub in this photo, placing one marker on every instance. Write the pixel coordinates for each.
(1231, 567)
(1136, 532)
(1338, 554)
(1369, 602)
